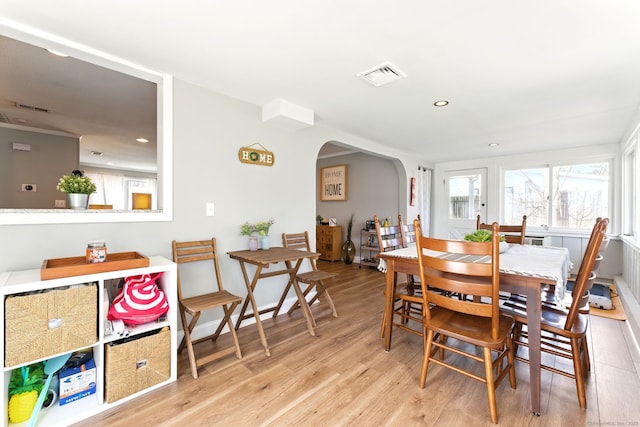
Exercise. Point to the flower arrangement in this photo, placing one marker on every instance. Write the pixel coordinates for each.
(261, 228)
(76, 183)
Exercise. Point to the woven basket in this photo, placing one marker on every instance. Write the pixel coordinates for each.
(135, 365)
(42, 324)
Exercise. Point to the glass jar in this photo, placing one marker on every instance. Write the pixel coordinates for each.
(96, 252)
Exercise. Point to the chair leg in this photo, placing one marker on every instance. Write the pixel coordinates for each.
(187, 328)
(491, 386)
(587, 360)
(227, 319)
(511, 362)
(579, 375)
(428, 339)
(296, 304)
(324, 291)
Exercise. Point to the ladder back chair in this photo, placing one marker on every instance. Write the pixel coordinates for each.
(564, 331)
(314, 279)
(465, 320)
(549, 297)
(512, 233)
(390, 238)
(203, 251)
(413, 310)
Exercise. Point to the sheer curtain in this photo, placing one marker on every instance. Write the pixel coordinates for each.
(424, 199)
(109, 190)
(117, 190)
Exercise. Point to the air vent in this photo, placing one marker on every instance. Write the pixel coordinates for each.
(382, 74)
(32, 108)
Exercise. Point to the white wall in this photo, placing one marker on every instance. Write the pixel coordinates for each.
(209, 129)
(51, 155)
(612, 263)
(372, 189)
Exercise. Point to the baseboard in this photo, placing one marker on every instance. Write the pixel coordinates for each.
(630, 305)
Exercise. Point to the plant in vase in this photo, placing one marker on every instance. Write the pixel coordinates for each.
(348, 247)
(486, 236)
(262, 228)
(248, 230)
(77, 187)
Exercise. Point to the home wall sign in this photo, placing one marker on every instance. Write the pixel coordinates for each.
(333, 183)
(256, 156)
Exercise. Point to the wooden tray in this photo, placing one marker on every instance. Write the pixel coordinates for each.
(77, 266)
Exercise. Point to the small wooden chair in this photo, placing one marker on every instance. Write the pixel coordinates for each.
(564, 332)
(511, 233)
(314, 278)
(465, 320)
(203, 251)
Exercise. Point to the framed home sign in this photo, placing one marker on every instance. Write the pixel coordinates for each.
(333, 183)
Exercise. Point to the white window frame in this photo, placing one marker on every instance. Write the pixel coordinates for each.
(561, 162)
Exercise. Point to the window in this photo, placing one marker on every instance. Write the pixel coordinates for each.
(567, 196)
(465, 195)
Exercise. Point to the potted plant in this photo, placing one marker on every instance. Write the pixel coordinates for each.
(262, 228)
(248, 230)
(77, 187)
(348, 247)
(485, 236)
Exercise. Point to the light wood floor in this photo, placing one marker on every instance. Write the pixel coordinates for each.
(343, 377)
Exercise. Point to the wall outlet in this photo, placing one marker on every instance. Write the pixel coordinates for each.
(209, 209)
(29, 187)
(61, 204)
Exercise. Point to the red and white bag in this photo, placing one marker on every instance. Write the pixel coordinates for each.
(139, 300)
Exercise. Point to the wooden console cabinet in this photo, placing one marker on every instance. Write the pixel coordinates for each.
(329, 242)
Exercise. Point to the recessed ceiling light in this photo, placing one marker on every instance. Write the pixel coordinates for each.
(493, 144)
(56, 53)
(441, 103)
(142, 140)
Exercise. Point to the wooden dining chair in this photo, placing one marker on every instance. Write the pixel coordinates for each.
(469, 268)
(314, 279)
(512, 233)
(203, 251)
(412, 309)
(390, 238)
(564, 331)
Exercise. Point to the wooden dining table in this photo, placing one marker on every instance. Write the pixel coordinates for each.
(524, 269)
(263, 259)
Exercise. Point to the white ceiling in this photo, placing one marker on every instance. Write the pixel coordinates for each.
(529, 75)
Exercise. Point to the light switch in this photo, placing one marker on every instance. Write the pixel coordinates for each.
(209, 209)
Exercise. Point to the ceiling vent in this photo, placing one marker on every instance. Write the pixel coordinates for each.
(32, 108)
(382, 74)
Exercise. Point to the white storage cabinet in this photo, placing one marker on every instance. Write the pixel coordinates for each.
(19, 282)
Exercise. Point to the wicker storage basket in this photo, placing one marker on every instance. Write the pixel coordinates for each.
(131, 366)
(52, 322)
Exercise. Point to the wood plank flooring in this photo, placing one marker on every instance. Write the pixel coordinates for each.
(343, 377)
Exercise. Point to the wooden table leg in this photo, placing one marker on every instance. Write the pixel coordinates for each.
(388, 305)
(533, 330)
(256, 314)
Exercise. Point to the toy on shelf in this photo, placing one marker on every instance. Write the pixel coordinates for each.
(24, 386)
